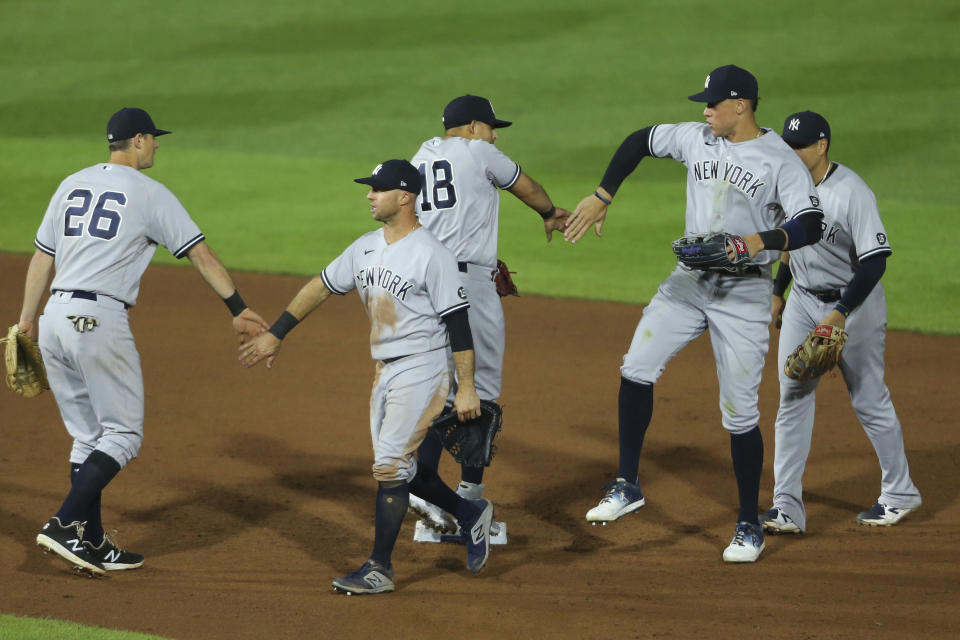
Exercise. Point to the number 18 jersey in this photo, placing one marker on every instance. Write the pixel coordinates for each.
(459, 202)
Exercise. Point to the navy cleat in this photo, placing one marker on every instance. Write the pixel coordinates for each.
(67, 542)
(371, 578)
(476, 534)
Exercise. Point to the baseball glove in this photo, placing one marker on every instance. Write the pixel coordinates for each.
(25, 371)
(816, 355)
(471, 442)
(504, 282)
(708, 252)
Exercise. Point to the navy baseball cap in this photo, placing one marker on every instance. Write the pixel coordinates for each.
(804, 128)
(130, 121)
(726, 82)
(466, 109)
(393, 174)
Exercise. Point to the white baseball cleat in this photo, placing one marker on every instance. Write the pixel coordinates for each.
(622, 497)
(747, 543)
(882, 515)
(776, 521)
(432, 516)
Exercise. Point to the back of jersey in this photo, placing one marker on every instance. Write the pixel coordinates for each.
(103, 225)
(458, 201)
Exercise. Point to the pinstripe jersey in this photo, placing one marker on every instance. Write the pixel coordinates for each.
(737, 187)
(406, 287)
(852, 231)
(459, 202)
(102, 227)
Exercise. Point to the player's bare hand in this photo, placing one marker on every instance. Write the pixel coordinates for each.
(266, 345)
(776, 310)
(590, 211)
(556, 222)
(249, 324)
(467, 403)
(28, 327)
(836, 319)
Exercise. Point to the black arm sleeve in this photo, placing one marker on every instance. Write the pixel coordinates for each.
(632, 150)
(782, 281)
(803, 230)
(862, 283)
(458, 327)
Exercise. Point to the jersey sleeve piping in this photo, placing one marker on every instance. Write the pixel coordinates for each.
(653, 130)
(47, 250)
(879, 251)
(513, 181)
(454, 308)
(815, 210)
(182, 251)
(328, 285)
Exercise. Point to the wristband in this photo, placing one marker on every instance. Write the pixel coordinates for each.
(842, 309)
(235, 303)
(284, 324)
(774, 239)
(548, 214)
(606, 201)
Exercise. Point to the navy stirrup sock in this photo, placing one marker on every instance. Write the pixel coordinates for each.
(428, 485)
(392, 501)
(746, 449)
(94, 474)
(93, 532)
(428, 454)
(636, 409)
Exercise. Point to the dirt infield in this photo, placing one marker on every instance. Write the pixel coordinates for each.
(253, 490)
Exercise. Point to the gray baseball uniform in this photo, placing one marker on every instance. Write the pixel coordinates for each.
(852, 232)
(406, 288)
(741, 188)
(102, 227)
(460, 204)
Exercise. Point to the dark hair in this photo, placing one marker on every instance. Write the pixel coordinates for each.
(754, 102)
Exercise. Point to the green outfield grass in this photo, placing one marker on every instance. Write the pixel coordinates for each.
(275, 111)
(14, 628)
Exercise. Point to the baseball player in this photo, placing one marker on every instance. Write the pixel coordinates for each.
(407, 282)
(836, 281)
(741, 179)
(460, 204)
(99, 232)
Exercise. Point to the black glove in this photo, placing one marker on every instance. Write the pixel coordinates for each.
(471, 442)
(709, 251)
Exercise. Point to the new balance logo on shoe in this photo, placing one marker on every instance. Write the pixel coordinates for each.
(112, 556)
(375, 579)
(74, 544)
(476, 533)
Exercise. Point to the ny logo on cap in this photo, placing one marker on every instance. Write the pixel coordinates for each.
(377, 170)
(706, 83)
(794, 124)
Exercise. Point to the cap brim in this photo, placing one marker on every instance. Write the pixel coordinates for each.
(161, 132)
(372, 181)
(500, 124)
(700, 97)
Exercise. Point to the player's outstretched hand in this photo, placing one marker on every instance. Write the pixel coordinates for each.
(776, 310)
(467, 403)
(556, 222)
(590, 211)
(249, 324)
(266, 345)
